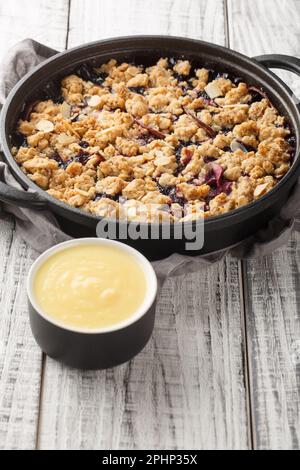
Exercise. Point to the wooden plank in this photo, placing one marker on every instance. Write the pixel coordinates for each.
(20, 358)
(41, 20)
(268, 27)
(273, 322)
(192, 18)
(187, 388)
(272, 288)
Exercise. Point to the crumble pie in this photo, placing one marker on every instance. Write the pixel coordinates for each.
(169, 141)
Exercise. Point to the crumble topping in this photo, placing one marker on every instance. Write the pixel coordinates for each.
(169, 142)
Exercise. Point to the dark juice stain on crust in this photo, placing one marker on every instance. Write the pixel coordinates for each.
(171, 192)
(203, 94)
(208, 159)
(99, 196)
(140, 90)
(82, 157)
(212, 75)
(52, 91)
(226, 130)
(19, 140)
(84, 144)
(61, 163)
(88, 73)
(292, 141)
(293, 144)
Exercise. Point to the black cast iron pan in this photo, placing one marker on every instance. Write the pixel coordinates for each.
(219, 232)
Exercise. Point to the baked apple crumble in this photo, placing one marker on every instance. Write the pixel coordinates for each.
(169, 141)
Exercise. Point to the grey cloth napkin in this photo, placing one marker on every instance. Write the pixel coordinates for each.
(41, 230)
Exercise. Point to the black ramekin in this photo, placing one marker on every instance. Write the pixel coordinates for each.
(94, 348)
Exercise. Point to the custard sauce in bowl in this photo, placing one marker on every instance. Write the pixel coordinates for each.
(92, 302)
(90, 286)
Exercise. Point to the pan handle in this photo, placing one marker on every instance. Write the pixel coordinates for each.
(280, 61)
(20, 198)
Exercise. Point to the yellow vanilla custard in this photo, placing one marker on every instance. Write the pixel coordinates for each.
(90, 286)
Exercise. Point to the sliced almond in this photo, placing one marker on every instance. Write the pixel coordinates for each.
(104, 132)
(213, 90)
(44, 125)
(216, 128)
(65, 110)
(82, 192)
(237, 105)
(65, 139)
(163, 160)
(260, 190)
(235, 145)
(94, 101)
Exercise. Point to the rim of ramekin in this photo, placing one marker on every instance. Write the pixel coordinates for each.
(146, 266)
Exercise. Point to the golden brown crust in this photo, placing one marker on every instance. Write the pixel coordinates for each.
(154, 137)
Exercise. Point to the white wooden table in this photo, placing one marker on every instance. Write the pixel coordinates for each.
(222, 370)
